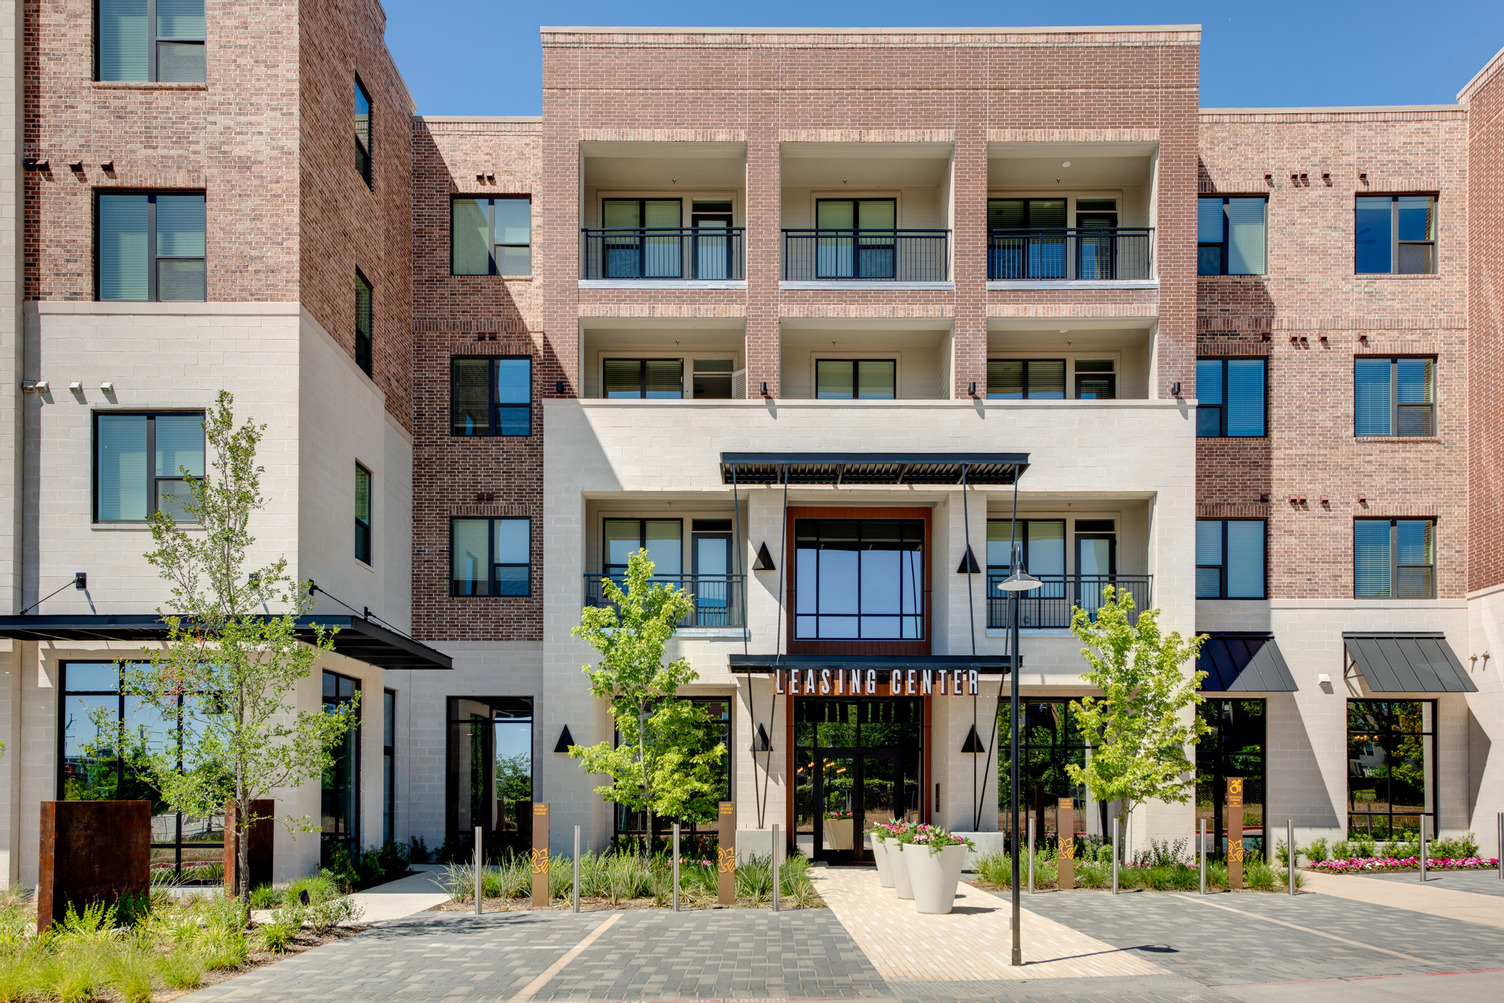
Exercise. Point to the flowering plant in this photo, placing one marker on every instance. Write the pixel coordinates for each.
(1357, 865)
(938, 839)
(837, 815)
(888, 830)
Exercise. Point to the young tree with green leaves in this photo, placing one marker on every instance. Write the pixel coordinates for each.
(232, 659)
(1140, 726)
(665, 760)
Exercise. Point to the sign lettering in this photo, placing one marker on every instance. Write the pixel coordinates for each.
(892, 682)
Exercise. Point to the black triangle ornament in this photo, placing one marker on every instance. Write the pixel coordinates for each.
(969, 565)
(973, 743)
(764, 560)
(565, 740)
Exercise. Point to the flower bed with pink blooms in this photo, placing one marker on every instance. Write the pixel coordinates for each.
(1358, 865)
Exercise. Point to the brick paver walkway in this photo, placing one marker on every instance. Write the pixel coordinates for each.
(1472, 897)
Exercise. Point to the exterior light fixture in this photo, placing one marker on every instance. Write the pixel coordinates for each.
(35, 387)
(1018, 582)
(1065, 163)
(764, 560)
(108, 167)
(559, 386)
(969, 565)
(972, 389)
(761, 743)
(76, 167)
(1175, 389)
(565, 740)
(80, 580)
(973, 744)
(106, 387)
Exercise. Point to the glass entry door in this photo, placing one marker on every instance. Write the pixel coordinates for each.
(855, 789)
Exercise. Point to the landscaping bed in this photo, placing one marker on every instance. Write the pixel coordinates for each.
(1163, 868)
(1367, 856)
(1369, 865)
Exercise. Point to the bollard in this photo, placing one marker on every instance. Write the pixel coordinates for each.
(1031, 855)
(676, 867)
(540, 855)
(1234, 815)
(777, 856)
(1065, 856)
(1116, 827)
(1423, 821)
(576, 868)
(479, 858)
(725, 852)
(1499, 850)
(1290, 853)
(1201, 851)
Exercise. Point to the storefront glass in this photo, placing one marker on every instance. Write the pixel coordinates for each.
(1050, 740)
(1391, 776)
(1234, 747)
(490, 769)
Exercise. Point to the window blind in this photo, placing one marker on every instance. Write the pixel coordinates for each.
(834, 379)
(1245, 236)
(1245, 558)
(121, 468)
(876, 379)
(468, 558)
(123, 259)
(665, 379)
(1371, 558)
(1371, 397)
(122, 40)
(470, 235)
(468, 403)
(1245, 397)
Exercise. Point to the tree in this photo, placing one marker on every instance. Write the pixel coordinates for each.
(225, 676)
(1140, 723)
(664, 762)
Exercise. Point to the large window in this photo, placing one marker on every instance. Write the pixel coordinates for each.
(1230, 398)
(144, 463)
(1232, 747)
(1394, 558)
(491, 236)
(1230, 558)
(717, 730)
(856, 238)
(149, 40)
(1391, 767)
(362, 514)
(645, 379)
(856, 379)
(1395, 396)
(1395, 234)
(96, 722)
(340, 810)
(491, 557)
(1050, 739)
(149, 247)
(859, 579)
(363, 132)
(362, 322)
(663, 539)
(491, 396)
(1032, 379)
(388, 765)
(1230, 235)
(489, 773)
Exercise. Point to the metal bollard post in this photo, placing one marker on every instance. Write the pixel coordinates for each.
(676, 867)
(1423, 821)
(777, 856)
(1201, 851)
(1116, 833)
(576, 868)
(479, 863)
(1290, 851)
(1500, 850)
(1031, 855)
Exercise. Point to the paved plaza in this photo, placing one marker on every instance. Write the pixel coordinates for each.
(1335, 945)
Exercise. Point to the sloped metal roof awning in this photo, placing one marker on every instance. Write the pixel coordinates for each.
(1407, 663)
(358, 638)
(1243, 663)
(872, 468)
(994, 665)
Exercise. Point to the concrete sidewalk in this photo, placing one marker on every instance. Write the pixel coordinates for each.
(1466, 907)
(402, 898)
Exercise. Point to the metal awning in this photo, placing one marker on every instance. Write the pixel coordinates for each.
(987, 665)
(1406, 663)
(872, 468)
(358, 638)
(1243, 663)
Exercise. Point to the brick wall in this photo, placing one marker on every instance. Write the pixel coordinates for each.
(1310, 316)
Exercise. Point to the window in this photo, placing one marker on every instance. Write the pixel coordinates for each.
(149, 248)
(1391, 774)
(149, 40)
(714, 379)
(92, 769)
(1230, 236)
(491, 396)
(363, 132)
(1232, 747)
(1230, 398)
(1230, 558)
(843, 251)
(1050, 739)
(859, 579)
(631, 250)
(713, 728)
(491, 236)
(1395, 234)
(340, 807)
(856, 379)
(362, 322)
(489, 769)
(1394, 558)
(1096, 379)
(1394, 396)
(362, 514)
(491, 557)
(663, 539)
(647, 379)
(143, 464)
(388, 765)
(1032, 379)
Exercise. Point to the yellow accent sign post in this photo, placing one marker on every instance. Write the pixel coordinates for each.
(540, 855)
(725, 856)
(1065, 822)
(1235, 833)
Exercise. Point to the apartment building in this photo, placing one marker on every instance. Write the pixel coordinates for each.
(828, 322)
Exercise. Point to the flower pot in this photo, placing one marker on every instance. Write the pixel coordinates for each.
(838, 832)
(882, 850)
(898, 869)
(934, 875)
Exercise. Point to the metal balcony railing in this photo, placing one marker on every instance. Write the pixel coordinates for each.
(718, 599)
(866, 255)
(1051, 604)
(703, 254)
(1071, 255)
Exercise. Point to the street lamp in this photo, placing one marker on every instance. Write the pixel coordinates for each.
(1017, 582)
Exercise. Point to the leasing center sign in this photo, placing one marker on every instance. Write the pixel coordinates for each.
(874, 682)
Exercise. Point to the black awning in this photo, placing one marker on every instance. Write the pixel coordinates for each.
(1407, 663)
(873, 468)
(1243, 663)
(358, 638)
(987, 665)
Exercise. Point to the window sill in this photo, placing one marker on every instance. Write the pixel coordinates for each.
(871, 285)
(1397, 439)
(1239, 275)
(1401, 276)
(504, 278)
(147, 85)
(995, 285)
(663, 283)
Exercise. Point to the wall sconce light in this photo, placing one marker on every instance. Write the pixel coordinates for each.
(559, 387)
(1363, 500)
(764, 560)
(480, 177)
(972, 389)
(973, 744)
(565, 740)
(1363, 176)
(1175, 389)
(1324, 680)
(1264, 496)
(80, 580)
(76, 386)
(1362, 339)
(1326, 178)
(764, 388)
(108, 167)
(35, 164)
(1326, 502)
(35, 387)
(1295, 178)
(1305, 179)
(760, 742)
(106, 387)
(1269, 180)
(77, 167)
(969, 565)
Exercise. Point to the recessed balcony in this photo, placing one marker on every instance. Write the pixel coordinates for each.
(1080, 255)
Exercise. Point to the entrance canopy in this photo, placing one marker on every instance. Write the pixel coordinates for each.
(1243, 663)
(987, 665)
(872, 468)
(1407, 663)
(358, 638)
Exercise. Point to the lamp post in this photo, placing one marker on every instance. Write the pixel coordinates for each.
(1018, 581)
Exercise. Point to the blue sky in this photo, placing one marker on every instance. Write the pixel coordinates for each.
(483, 58)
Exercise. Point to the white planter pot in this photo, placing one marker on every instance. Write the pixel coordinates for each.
(881, 854)
(898, 870)
(838, 832)
(934, 876)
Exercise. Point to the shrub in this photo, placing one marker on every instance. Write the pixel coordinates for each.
(417, 850)
(995, 868)
(327, 915)
(1456, 847)
(277, 935)
(132, 971)
(1104, 853)
(1317, 851)
(265, 897)
(320, 887)
(182, 969)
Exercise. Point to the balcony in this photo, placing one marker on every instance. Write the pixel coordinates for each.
(1070, 255)
(821, 255)
(718, 599)
(701, 254)
(1051, 605)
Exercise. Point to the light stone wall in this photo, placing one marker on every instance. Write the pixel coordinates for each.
(1484, 779)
